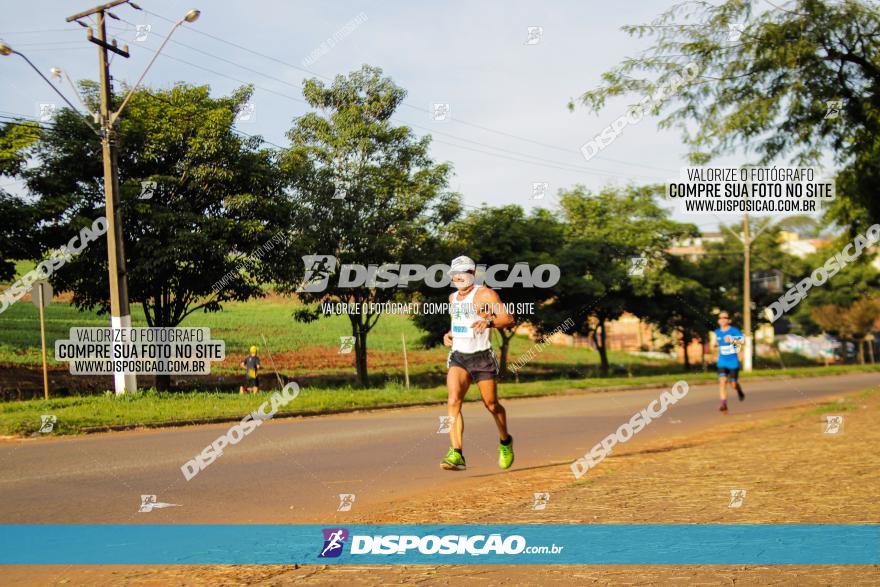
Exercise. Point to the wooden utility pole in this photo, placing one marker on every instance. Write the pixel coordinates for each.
(405, 360)
(41, 303)
(747, 296)
(120, 315)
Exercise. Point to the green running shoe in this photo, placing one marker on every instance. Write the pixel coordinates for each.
(505, 454)
(453, 461)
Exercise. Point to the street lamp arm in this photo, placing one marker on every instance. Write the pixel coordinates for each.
(78, 97)
(57, 91)
(763, 228)
(131, 91)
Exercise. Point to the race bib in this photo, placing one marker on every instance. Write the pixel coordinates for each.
(728, 350)
(462, 331)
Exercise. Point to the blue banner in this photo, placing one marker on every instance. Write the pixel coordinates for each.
(665, 544)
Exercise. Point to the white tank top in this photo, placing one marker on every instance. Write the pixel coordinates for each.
(464, 313)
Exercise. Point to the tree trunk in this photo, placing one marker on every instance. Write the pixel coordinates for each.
(360, 353)
(703, 352)
(685, 341)
(505, 350)
(601, 341)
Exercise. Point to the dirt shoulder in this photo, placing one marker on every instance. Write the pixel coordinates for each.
(791, 469)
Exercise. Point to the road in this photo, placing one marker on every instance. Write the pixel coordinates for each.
(292, 470)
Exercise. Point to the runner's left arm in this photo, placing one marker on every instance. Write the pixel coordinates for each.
(490, 308)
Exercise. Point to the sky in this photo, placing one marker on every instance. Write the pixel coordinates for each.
(508, 126)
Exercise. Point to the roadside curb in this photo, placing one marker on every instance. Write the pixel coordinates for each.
(385, 407)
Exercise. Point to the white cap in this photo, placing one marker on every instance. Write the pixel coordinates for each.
(462, 263)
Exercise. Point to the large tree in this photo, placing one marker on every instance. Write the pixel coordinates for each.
(604, 232)
(723, 268)
(17, 221)
(501, 236)
(214, 191)
(679, 300)
(362, 191)
(770, 80)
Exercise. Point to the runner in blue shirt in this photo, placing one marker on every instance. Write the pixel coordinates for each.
(729, 341)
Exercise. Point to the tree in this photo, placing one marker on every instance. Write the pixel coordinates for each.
(679, 300)
(505, 236)
(854, 322)
(604, 232)
(771, 90)
(803, 225)
(214, 190)
(862, 318)
(724, 266)
(852, 283)
(362, 191)
(17, 222)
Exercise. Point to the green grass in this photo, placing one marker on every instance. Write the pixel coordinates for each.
(150, 407)
(846, 404)
(309, 348)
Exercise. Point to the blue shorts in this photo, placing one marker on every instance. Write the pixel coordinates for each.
(729, 372)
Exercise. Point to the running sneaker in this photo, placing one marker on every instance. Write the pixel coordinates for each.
(739, 391)
(453, 461)
(505, 454)
(723, 408)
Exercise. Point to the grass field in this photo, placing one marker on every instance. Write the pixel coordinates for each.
(308, 353)
(150, 407)
(296, 348)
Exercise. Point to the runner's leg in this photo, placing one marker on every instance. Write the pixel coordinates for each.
(722, 387)
(457, 383)
(489, 393)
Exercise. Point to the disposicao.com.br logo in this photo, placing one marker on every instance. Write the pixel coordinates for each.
(321, 269)
(411, 544)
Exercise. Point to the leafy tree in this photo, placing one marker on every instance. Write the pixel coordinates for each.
(361, 190)
(854, 322)
(214, 190)
(771, 90)
(16, 216)
(852, 283)
(603, 232)
(504, 236)
(724, 267)
(805, 226)
(680, 300)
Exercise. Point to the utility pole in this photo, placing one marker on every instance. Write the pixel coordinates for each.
(120, 315)
(747, 296)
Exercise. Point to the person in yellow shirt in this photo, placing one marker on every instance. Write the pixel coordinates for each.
(252, 366)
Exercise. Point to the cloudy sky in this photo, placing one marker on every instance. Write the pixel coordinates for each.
(508, 126)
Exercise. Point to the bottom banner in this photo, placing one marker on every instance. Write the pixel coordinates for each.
(643, 544)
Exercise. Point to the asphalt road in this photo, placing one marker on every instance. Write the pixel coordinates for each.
(293, 470)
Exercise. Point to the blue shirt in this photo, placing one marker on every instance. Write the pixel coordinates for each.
(727, 356)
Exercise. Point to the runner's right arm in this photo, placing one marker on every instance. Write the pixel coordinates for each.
(447, 338)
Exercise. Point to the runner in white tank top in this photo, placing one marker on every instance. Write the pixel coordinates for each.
(464, 314)
(474, 311)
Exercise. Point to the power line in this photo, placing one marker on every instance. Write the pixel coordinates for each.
(419, 108)
(551, 163)
(67, 30)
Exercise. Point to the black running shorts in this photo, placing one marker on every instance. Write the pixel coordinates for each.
(730, 372)
(481, 365)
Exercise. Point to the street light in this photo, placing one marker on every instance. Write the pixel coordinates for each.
(7, 50)
(120, 315)
(189, 17)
